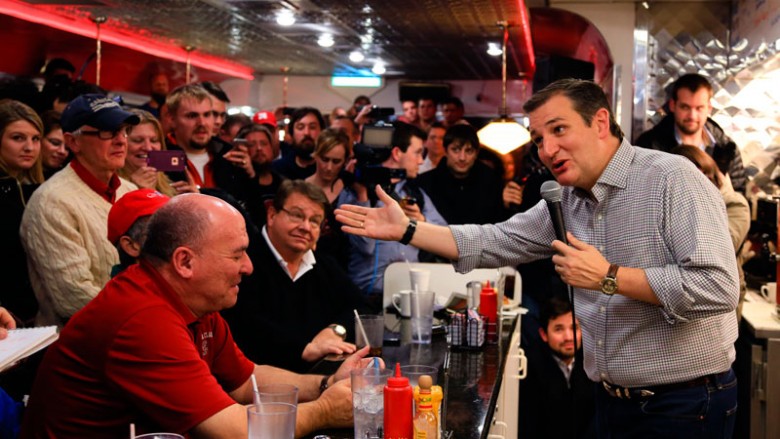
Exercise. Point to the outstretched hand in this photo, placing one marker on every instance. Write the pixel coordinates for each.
(387, 223)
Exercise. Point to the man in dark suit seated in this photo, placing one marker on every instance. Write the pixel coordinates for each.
(295, 308)
(557, 398)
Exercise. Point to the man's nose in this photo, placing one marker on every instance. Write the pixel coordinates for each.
(246, 266)
(548, 149)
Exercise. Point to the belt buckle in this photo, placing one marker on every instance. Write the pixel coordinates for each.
(612, 391)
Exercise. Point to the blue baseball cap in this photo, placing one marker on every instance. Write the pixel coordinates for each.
(96, 111)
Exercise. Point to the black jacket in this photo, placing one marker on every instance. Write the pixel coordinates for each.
(16, 294)
(476, 199)
(274, 317)
(724, 152)
(549, 408)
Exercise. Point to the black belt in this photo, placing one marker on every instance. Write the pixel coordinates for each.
(641, 393)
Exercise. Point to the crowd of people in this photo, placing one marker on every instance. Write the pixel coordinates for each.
(141, 267)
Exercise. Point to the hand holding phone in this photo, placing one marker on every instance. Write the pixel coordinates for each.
(167, 160)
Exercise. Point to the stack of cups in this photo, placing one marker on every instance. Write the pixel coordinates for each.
(273, 413)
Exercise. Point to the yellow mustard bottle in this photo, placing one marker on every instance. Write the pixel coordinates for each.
(426, 425)
(437, 395)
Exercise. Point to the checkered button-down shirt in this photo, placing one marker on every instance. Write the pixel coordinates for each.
(649, 210)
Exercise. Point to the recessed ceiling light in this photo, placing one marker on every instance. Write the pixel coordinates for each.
(325, 40)
(379, 68)
(356, 56)
(494, 49)
(285, 17)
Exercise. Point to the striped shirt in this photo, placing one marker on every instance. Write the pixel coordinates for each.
(649, 210)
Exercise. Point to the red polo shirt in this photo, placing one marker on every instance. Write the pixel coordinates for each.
(134, 354)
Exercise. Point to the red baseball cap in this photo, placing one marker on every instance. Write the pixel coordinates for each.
(126, 211)
(265, 118)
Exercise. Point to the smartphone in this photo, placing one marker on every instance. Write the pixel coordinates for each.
(167, 160)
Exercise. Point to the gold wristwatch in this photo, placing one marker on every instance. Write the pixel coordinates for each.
(609, 284)
(339, 330)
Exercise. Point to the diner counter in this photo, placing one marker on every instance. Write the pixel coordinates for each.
(758, 361)
(470, 379)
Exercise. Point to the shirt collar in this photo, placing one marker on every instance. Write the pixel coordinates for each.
(565, 368)
(307, 263)
(617, 171)
(106, 191)
(702, 144)
(166, 291)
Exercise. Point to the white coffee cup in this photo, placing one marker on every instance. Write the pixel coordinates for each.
(420, 279)
(401, 302)
(769, 291)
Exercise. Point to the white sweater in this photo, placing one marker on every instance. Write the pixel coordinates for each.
(64, 232)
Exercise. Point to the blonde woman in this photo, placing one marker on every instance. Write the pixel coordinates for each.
(331, 154)
(21, 172)
(142, 138)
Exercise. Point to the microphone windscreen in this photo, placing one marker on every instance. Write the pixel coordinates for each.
(551, 191)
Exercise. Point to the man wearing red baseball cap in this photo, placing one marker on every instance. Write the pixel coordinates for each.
(267, 119)
(127, 222)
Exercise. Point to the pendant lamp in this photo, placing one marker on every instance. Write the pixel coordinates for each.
(503, 135)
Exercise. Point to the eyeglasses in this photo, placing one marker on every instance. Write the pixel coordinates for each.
(104, 134)
(298, 217)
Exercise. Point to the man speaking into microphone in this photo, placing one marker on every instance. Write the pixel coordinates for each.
(649, 258)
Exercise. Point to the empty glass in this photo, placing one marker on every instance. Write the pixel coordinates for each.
(422, 316)
(284, 393)
(273, 420)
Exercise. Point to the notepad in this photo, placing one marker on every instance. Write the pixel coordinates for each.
(22, 343)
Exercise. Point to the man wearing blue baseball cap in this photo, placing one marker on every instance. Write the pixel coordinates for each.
(64, 227)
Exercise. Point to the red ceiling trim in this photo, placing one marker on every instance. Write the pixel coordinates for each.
(528, 58)
(133, 41)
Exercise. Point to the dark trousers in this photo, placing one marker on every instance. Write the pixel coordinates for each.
(706, 411)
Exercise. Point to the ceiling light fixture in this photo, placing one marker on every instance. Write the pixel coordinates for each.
(503, 135)
(356, 56)
(379, 68)
(285, 17)
(494, 49)
(325, 40)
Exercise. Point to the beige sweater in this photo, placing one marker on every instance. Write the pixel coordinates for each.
(64, 234)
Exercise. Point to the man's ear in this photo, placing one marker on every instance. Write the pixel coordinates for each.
(672, 105)
(601, 119)
(396, 153)
(129, 246)
(543, 334)
(270, 211)
(71, 143)
(183, 261)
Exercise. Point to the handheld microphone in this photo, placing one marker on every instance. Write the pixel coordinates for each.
(552, 193)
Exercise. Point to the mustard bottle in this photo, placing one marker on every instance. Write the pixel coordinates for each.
(426, 425)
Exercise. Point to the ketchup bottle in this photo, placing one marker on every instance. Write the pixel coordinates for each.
(398, 406)
(488, 307)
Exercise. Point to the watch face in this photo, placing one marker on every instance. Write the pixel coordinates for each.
(340, 330)
(608, 286)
